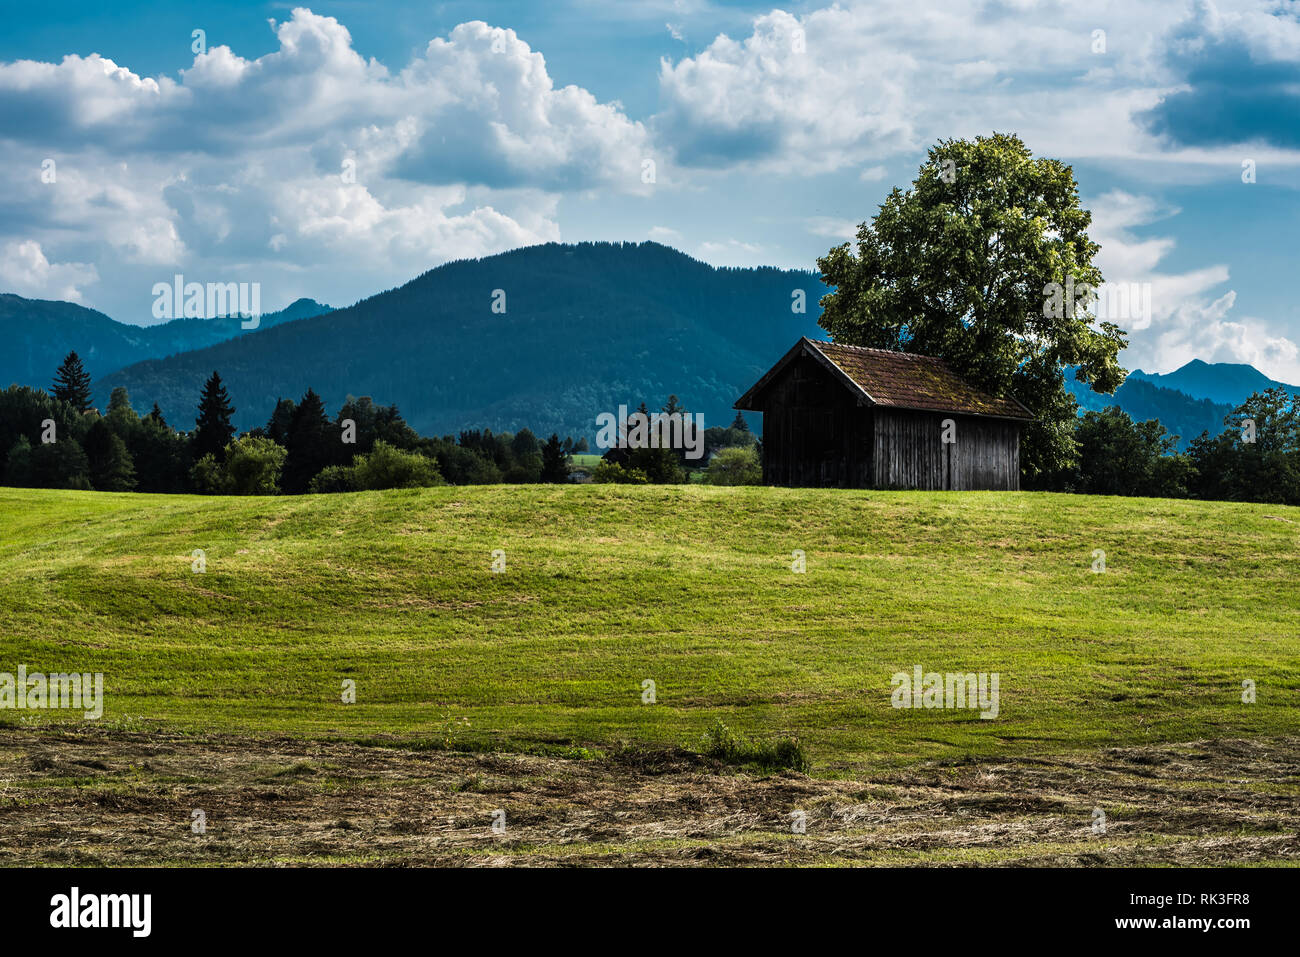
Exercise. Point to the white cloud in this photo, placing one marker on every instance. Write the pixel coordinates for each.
(840, 230)
(845, 85)
(238, 163)
(25, 270)
(479, 103)
(1203, 330)
(1190, 312)
(781, 96)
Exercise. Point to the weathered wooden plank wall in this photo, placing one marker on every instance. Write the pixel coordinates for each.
(910, 451)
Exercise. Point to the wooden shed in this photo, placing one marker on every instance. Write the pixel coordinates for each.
(850, 417)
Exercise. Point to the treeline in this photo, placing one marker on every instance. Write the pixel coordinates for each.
(56, 440)
(728, 456)
(1255, 459)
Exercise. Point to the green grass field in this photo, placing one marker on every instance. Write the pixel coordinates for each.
(690, 587)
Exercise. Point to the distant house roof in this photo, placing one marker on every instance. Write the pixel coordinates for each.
(901, 380)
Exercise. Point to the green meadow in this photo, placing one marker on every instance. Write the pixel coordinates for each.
(691, 587)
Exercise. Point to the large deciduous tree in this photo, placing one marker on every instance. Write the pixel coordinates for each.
(969, 265)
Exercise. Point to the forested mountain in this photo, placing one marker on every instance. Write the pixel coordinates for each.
(38, 333)
(545, 337)
(1179, 413)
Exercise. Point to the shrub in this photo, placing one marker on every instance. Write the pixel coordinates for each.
(609, 472)
(723, 744)
(464, 466)
(735, 466)
(252, 467)
(390, 467)
(205, 475)
(334, 478)
(383, 467)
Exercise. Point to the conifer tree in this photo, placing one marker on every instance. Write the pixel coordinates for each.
(111, 467)
(312, 444)
(72, 383)
(214, 431)
(555, 461)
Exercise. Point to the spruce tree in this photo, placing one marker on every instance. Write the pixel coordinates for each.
(312, 444)
(111, 467)
(277, 427)
(214, 430)
(72, 383)
(555, 461)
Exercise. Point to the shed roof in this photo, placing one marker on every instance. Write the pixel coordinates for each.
(901, 380)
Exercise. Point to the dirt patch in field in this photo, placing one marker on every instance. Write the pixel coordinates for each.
(112, 798)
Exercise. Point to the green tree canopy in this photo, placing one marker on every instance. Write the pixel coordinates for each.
(111, 467)
(1261, 464)
(962, 266)
(252, 466)
(735, 466)
(1118, 456)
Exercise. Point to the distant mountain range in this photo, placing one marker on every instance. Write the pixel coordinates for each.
(38, 333)
(544, 336)
(1188, 401)
(1224, 382)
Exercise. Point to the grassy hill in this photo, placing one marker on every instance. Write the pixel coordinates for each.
(690, 587)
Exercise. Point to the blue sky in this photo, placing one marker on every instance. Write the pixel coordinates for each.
(471, 128)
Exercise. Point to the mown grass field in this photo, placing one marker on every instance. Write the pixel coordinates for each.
(690, 587)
